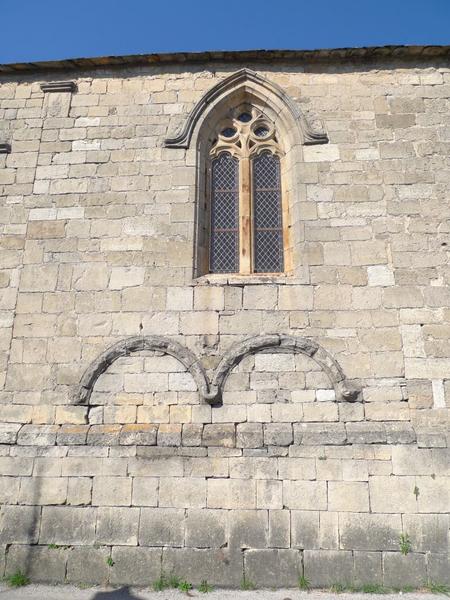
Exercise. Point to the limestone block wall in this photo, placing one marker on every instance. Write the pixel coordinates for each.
(136, 425)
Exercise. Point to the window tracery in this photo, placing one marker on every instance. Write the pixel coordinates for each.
(246, 223)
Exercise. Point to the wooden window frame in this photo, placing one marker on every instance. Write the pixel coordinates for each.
(245, 145)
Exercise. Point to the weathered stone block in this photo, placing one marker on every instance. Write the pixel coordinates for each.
(269, 494)
(169, 434)
(253, 467)
(206, 528)
(428, 533)
(324, 568)
(279, 535)
(407, 460)
(329, 530)
(104, 435)
(278, 434)
(9, 489)
(182, 492)
(122, 277)
(305, 495)
(305, 529)
(319, 433)
(266, 566)
(79, 490)
(135, 566)
(111, 491)
(222, 568)
(138, 434)
(400, 571)
(33, 378)
(41, 564)
(231, 493)
(392, 494)
(400, 433)
(37, 435)
(360, 531)
(87, 566)
(65, 525)
(296, 468)
(367, 568)
(433, 495)
(248, 529)
(192, 434)
(19, 524)
(439, 568)
(366, 433)
(219, 435)
(8, 432)
(348, 496)
(117, 526)
(43, 490)
(161, 527)
(145, 491)
(156, 466)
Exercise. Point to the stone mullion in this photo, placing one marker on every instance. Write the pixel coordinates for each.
(245, 248)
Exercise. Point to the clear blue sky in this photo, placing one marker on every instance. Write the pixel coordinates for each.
(54, 29)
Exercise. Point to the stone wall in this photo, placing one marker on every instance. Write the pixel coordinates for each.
(312, 448)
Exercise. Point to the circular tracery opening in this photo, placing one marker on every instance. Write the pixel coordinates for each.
(261, 131)
(245, 117)
(228, 132)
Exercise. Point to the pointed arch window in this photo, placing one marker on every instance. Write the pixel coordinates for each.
(246, 212)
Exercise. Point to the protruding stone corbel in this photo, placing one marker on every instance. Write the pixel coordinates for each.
(5, 148)
(59, 86)
(348, 392)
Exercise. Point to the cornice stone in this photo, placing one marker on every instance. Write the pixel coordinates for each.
(59, 86)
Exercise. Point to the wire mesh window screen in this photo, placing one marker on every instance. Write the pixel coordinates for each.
(267, 214)
(224, 252)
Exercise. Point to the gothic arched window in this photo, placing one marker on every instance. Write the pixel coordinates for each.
(246, 215)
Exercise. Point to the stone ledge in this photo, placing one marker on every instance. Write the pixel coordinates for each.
(222, 436)
(59, 86)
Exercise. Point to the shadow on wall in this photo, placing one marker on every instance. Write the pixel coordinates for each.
(122, 593)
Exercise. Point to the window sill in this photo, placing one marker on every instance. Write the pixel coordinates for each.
(236, 279)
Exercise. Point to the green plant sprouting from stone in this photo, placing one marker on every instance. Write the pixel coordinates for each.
(339, 588)
(405, 544)
(439, 588)
(246, 584)
(303, 583)
(17, 579)
(184, 586)
(172, 581)
(204, 587)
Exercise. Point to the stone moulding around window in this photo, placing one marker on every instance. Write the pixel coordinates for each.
(310, 134)
(211, 391)
(5, 148)
(59, 86)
